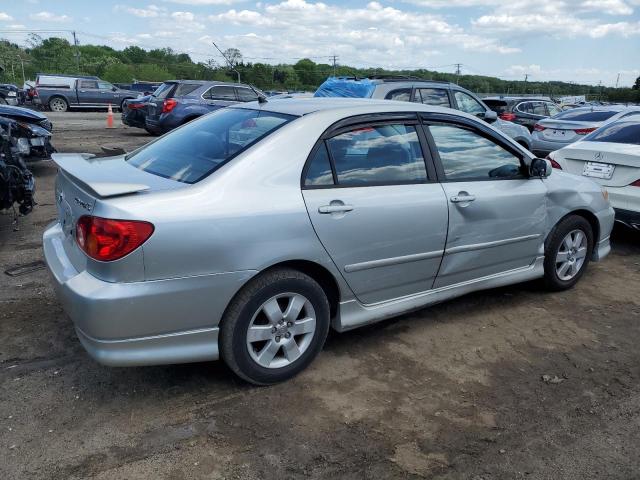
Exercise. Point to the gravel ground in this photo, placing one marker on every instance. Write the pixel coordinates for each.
(450, 392)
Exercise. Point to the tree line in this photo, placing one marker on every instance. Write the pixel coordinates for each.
(58, 55)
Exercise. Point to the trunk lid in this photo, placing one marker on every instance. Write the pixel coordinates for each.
(617, 164)
(564, 131)
(83, 180)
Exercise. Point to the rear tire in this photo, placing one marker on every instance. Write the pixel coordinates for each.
(58, 104)
(567, 253)
(274, 327)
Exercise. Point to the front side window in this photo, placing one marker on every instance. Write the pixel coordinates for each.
(246, 95)
(466, 155)
(383, 154)
(105, 86)
(433, 96)
(221, 93)
(401, 95)
(195, 150)
(538, 108)
(468, 104)
(553, 109)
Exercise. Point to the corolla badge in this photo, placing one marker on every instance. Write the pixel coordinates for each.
(599, 156)
(85, 205)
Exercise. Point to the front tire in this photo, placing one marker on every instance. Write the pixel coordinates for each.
(567, 253)
(275, 327)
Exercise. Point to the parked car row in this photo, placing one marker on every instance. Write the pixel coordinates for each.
(177, 102)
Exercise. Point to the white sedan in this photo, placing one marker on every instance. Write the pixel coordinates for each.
(611, 157)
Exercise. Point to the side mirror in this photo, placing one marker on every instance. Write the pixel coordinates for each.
(115, 89)
(540, 168)
(490, 116)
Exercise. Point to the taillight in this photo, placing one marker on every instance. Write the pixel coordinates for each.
(635, 184)
(169, 104)
(554, 164)
(509, 117)
(35, 93)
(107, 240)
(584, 131)
(135, 106)
(538, 128)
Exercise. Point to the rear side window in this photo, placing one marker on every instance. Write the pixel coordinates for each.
(88, 84)
(401, 95)
(585, 115)
(183, 89)
(319, 172)
(538, 108)
(195, 150)
(432, 96)
(221, 93)
(525, 107)
(617, 132)
(466, 155)
(384, 154)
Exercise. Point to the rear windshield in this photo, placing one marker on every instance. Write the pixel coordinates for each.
(585, 115)
(627, 131)
(498, 106)
(194, 151)
(163, 90)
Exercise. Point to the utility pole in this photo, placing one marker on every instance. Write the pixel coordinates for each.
(617, 80)
(77, 52)
(600, 90)
(457, 65)
(227, 60)
(334, 57)
(526, 77)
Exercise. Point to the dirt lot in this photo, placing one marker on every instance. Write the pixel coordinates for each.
(450, 392)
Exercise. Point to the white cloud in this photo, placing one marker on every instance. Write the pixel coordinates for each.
(372, 35)
(50, 17)
(204, 2)
(5, 17)
(152, 11)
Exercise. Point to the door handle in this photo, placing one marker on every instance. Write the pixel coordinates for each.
(462, 197)
(340, 208)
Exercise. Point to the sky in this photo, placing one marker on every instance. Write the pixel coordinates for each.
(588, 41)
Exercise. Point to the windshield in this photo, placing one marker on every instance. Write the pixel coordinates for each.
(585, 115)
(194, 151)
(626, 131)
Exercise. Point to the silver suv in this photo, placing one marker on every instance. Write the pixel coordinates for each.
(428, 92)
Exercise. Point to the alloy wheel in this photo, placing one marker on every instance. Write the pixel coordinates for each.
(57, 105)
(571, 255)
(281, 330)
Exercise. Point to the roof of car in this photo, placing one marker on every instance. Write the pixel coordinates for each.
(304, 106)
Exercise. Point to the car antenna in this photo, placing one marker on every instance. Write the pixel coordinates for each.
(261, 96)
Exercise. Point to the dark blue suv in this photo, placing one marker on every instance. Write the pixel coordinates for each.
(178, 102)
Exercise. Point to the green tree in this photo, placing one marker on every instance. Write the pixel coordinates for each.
(118, 73)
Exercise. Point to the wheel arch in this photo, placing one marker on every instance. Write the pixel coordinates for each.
(60, 96)
(317, 272)
(587, 215)
(188, 118)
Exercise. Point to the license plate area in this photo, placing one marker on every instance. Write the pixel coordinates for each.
(598, 170)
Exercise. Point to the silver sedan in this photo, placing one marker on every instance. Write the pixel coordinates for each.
(247, 234)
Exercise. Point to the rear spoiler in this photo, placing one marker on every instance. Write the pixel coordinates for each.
(94, 175)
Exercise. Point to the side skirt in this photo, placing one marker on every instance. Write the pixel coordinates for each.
(353, 314)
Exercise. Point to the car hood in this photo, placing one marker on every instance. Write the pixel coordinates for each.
(20, 113)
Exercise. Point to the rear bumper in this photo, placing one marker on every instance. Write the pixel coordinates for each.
(629, 218)
(141, 323)
(541, 146)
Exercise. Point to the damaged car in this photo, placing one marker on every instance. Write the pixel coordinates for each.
(17, 185)
(30, 131)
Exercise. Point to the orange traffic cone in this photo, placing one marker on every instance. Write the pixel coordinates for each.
(109, 117)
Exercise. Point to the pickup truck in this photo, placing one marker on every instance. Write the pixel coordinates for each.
(60, 93)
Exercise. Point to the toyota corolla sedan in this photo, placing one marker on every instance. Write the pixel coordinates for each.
(247, 234)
